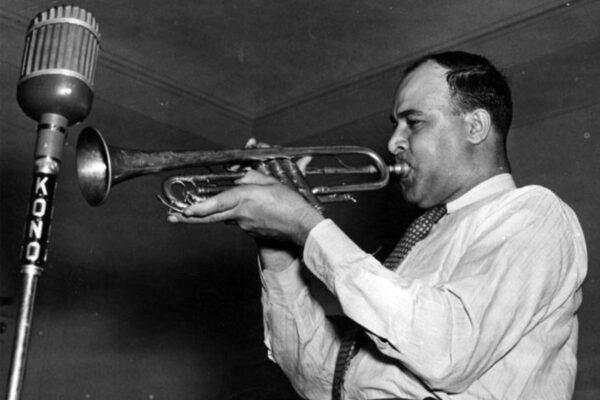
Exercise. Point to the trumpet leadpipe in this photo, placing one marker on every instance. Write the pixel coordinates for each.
(396, 169)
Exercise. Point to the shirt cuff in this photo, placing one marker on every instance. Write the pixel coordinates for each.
(285, 284)
(330, 254)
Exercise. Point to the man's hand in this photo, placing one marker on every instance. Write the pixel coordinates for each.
(259, 205)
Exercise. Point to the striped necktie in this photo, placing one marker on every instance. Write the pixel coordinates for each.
(415, 232)
(350, 341)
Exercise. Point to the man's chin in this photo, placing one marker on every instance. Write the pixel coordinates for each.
(410, 196)
(413, 198)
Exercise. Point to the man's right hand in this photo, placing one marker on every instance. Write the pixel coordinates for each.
(276, 255)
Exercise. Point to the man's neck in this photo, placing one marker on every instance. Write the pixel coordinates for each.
(477, 174)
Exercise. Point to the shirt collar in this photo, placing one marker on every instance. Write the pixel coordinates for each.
(493, 185)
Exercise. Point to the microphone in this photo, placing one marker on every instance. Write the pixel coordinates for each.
(55, 89)
(59, 64)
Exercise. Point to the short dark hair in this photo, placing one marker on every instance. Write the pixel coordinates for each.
(474, 83)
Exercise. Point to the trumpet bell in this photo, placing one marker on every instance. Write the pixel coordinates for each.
(94, 166)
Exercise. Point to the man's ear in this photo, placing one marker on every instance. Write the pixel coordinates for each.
(479, 125)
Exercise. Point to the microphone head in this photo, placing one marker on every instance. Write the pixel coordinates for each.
(59, 64)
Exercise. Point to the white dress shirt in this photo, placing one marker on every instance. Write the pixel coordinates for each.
(483, 308)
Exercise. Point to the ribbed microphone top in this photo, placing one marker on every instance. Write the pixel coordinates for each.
(62, 40)
(67, 14)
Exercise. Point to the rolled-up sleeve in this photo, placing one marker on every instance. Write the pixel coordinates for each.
(298, 336)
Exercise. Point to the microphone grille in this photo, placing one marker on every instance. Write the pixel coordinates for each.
(62, 40)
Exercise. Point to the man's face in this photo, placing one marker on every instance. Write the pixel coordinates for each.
(430, 137)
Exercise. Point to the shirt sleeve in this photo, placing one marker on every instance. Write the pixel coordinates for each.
(513, 272)
(298, 336)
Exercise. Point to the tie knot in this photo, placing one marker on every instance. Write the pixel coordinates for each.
(433, 215)
(422, 225)
(415, 232)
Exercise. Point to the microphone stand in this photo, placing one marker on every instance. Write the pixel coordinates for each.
(51, 134)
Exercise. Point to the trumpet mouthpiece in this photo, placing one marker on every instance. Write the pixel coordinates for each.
(400, 169)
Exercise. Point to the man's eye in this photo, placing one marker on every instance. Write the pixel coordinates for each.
(413, 123)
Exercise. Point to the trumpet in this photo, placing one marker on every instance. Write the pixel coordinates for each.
(100, 167)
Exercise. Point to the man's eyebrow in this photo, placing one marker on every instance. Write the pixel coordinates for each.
(407, 113)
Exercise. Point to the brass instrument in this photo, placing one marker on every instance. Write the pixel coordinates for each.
(100, 166)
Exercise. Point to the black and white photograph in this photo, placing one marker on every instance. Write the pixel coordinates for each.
(285, 200)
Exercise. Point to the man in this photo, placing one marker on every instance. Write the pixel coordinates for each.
(483, 307)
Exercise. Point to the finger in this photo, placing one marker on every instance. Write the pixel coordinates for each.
(211, 219)
(214, 206)
(303, 162)
(233, 167)
(262, 168)
(262, 145)
(251, 143)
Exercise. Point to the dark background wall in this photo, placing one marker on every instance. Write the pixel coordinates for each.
(131, 306)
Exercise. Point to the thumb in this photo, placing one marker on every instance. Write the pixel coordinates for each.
(303, 162)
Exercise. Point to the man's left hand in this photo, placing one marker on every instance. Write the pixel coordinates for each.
(259, 205)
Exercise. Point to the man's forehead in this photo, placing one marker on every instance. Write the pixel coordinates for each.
(424, 87)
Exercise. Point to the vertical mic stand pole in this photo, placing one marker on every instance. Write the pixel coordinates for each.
(51, 134)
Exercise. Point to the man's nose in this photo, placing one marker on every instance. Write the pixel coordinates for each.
(398, 143)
